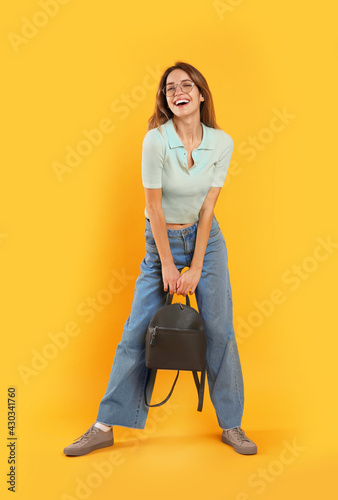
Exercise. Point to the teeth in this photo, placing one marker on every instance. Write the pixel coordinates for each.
(181, 100)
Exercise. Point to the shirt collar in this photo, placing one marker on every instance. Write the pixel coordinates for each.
(175, 141)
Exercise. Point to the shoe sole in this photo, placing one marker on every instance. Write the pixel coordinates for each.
(81, 453)
(239, 450)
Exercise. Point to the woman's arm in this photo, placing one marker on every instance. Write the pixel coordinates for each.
(188, 280)
(170, 273)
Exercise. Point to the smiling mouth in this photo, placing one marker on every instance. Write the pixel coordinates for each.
(180, 103)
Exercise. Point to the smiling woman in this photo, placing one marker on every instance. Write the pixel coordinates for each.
(184, 108)
(185, 159)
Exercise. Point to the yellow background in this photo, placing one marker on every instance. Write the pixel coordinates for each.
(61, 241)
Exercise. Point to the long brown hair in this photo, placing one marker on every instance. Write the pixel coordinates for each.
(162, 112)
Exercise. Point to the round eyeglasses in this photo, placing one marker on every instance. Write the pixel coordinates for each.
(186, 87)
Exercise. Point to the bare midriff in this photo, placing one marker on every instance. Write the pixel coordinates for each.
(179, 226)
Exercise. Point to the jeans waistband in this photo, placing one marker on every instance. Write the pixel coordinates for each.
(184, 231)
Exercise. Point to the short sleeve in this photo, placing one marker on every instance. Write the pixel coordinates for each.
(152, 159)
(222, 165)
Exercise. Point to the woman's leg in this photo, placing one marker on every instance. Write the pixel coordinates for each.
(214, 301)
(123, 403)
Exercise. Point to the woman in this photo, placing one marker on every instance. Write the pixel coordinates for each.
(185, 159)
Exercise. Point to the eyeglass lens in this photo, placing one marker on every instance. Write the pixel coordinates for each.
(185, 87)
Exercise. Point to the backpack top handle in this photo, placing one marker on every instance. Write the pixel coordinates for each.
(170, 298)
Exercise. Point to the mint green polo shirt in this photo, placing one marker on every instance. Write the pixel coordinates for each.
(164, 165)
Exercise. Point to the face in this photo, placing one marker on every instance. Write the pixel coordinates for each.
(192, 100)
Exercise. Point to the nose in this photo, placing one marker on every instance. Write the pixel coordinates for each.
(180, 90)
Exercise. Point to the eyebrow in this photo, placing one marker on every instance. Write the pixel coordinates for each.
(185, 80)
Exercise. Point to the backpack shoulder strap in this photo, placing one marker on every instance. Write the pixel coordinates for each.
(200, 387)
(169, 395)
(200, 384)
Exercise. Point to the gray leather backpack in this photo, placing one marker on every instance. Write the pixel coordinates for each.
(175, 340)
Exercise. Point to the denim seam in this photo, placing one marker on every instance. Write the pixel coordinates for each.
(140, 399)
(229, 292)
(236, 379)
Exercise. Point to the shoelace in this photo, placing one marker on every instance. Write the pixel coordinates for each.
(241, 434)
(86, 435)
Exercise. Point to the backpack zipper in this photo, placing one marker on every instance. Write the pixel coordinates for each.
(153, 336)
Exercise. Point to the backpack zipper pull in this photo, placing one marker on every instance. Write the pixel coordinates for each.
(181, 306)
(153, 336)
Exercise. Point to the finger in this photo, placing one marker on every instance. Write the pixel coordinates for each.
(172, 287)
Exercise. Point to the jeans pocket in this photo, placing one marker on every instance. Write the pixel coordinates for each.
(215, 232)
(150, 240)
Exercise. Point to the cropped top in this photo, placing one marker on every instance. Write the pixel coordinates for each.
(164, 165)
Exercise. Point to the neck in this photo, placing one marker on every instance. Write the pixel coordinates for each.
(188, 128)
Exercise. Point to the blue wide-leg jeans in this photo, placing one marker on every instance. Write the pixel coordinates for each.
(123, 403)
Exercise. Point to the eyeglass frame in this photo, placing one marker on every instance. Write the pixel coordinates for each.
(180, 85)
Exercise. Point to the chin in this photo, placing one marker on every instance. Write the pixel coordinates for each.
(182, 113)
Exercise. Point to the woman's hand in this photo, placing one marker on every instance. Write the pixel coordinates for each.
(170, 275)
(188, 281)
